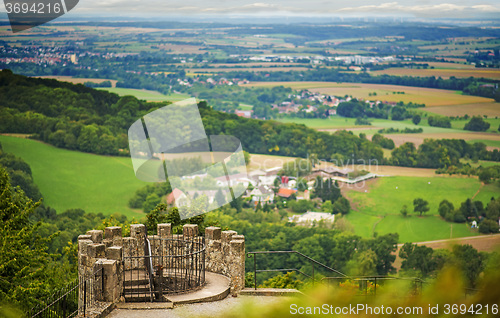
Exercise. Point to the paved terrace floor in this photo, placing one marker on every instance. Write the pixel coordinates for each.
(210, 309)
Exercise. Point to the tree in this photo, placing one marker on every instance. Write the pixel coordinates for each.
(302, 184)
(327, 206)
(416, 119)
(488, 226)
(417, 258)
(420, 206)
(470, 261)
(477, 123)
(288, 281)
(366, 263)
(24, 272)
(220, 198)
(326, 189)
(151, 202)
(384, 246)
(404, 211)
(341, 206)
(445, 207)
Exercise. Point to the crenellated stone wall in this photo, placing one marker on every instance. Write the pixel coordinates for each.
(224, 254)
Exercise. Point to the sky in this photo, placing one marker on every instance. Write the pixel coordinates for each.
(414, 8)
(488, 9)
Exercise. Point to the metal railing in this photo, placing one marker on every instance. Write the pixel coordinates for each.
(65, 303)
(170, 265)
(314, 263)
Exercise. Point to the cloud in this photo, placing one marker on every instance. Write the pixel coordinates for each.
(394, 7)
(416, 8)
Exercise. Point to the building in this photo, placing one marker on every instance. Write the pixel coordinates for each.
(286, 193)
(178, 197)
(262, 194)
(310, 218)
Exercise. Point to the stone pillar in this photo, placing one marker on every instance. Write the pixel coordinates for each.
(138, 231)
(96, 236)
(213, 253)
(112, 285)
(225, 239)
(212, 233)
(113, 234)
(130, 249)
(190, 230)
(83, 265)
(164, 230)
(236, 264)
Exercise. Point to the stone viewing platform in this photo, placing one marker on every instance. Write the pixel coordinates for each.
(162, 270)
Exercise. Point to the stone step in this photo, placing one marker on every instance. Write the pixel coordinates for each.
(136, 282)
(145, 305)
(136, 290)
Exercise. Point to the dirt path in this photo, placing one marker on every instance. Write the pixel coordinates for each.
(474, 196)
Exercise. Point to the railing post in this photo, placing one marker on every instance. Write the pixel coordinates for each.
(64, 305)
(84, 297)
(375, 288)
(255, 271)
(313, 274)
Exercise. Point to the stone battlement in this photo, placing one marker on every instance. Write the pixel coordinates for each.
(224, 253)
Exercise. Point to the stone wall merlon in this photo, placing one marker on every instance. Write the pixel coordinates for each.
(96, 235)
(212, 233)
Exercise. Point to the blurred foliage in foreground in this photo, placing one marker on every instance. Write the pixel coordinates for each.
(446, 289)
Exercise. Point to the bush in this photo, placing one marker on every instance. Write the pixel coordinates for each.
(439, 121)
(477, 124)
(488, 226)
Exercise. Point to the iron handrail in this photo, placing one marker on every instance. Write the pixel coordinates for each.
(313, 261)
(64, 293)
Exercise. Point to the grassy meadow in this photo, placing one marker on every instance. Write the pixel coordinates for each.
(71, 179)
(429, 96)
(378, 209)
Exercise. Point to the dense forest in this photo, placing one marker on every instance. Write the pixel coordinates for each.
(98, 123)
(76, 117)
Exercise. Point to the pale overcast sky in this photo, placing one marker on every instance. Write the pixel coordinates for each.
(417, 8)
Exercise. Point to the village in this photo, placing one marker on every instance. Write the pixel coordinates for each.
(267, 187)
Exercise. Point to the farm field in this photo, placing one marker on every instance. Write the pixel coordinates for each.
(444, 73)
(489, 143)
(70, 179)
(378, 208)
(494, 124)
(332, 124)
(428, 96)
(248, 69)
(262, 162)
(336, 122)
(479, 109)
(74, 80)
(418, 139)
(150, 96)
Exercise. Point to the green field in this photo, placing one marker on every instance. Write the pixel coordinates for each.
(150, 96)
(489, 143)
(337, 122)
(386, 197)
(422, 229)
(71, 179)
(494, 124)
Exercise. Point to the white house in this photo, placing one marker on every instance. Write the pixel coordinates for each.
(310, 217)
